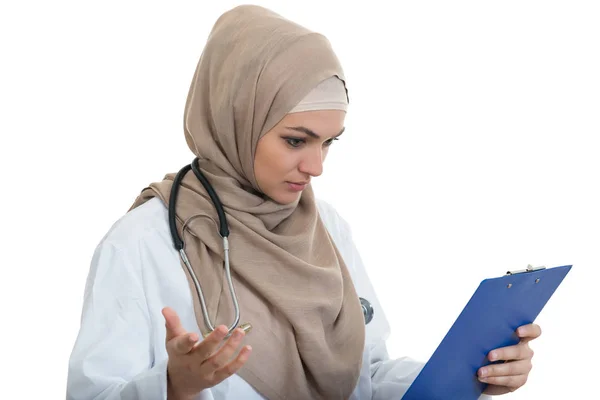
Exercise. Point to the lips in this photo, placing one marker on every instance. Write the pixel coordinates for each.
(296, 187)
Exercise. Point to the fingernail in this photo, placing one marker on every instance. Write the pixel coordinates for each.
(484, 380)
(493, 356)
(193, 338)
(483, 372)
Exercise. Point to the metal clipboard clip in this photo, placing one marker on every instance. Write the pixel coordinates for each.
(530, 268)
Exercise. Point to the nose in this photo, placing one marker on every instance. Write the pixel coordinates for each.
(312, 163)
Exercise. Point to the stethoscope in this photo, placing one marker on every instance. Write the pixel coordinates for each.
(367, 308)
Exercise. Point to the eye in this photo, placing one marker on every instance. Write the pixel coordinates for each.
(294, 142)
(328, 142)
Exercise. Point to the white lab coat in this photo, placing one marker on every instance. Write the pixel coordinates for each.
(135, 272)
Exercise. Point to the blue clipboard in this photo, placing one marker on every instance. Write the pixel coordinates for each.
(488, 321)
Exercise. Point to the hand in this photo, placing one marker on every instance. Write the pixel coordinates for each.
(513, 373)
(192, 366)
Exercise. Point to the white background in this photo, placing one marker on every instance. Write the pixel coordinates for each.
(471, 148)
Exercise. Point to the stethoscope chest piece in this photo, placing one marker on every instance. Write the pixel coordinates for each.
(367, 309)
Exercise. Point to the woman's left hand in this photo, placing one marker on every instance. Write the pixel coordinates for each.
(512, 374)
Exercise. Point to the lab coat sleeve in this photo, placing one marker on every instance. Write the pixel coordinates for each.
(112, 357)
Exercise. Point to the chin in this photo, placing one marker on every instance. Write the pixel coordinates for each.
(284, 198)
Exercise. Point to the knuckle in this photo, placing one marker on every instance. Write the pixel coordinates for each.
(170, 347)
(226, 371)
(230, 369)
(234, 339)
(214, 363)
(529, 368)
(493, 380)
(180, 346)
(211, 381)
(530, 352)
(175, 345)
(204, 350)
(232, 345)
(524, 380)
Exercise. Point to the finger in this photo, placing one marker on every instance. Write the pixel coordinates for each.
(224, 354)
(512, 382)
(520, 351)
(529, 332)
(172, 323)
(231, 368)
(209, 345)
(513, 368)
(182, 344)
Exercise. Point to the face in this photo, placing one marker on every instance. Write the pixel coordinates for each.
(292, 153)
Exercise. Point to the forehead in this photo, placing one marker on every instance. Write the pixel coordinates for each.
(322, 122)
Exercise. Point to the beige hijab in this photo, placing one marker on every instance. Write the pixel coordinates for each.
(292, 284)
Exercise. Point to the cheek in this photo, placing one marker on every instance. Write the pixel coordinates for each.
(280, 164)
(273, 163)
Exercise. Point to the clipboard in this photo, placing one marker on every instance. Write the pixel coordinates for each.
(488, 321)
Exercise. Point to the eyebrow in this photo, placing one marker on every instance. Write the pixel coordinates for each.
(310, 132)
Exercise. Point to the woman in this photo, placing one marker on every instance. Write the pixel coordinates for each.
(267, 100)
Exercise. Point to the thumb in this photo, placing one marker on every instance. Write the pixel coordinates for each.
(172, 323)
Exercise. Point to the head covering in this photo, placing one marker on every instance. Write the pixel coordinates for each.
(327, 95)
(291, 281)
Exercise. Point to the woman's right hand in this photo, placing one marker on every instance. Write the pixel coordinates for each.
(192, 366)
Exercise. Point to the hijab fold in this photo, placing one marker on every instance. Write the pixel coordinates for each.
(291, 281)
